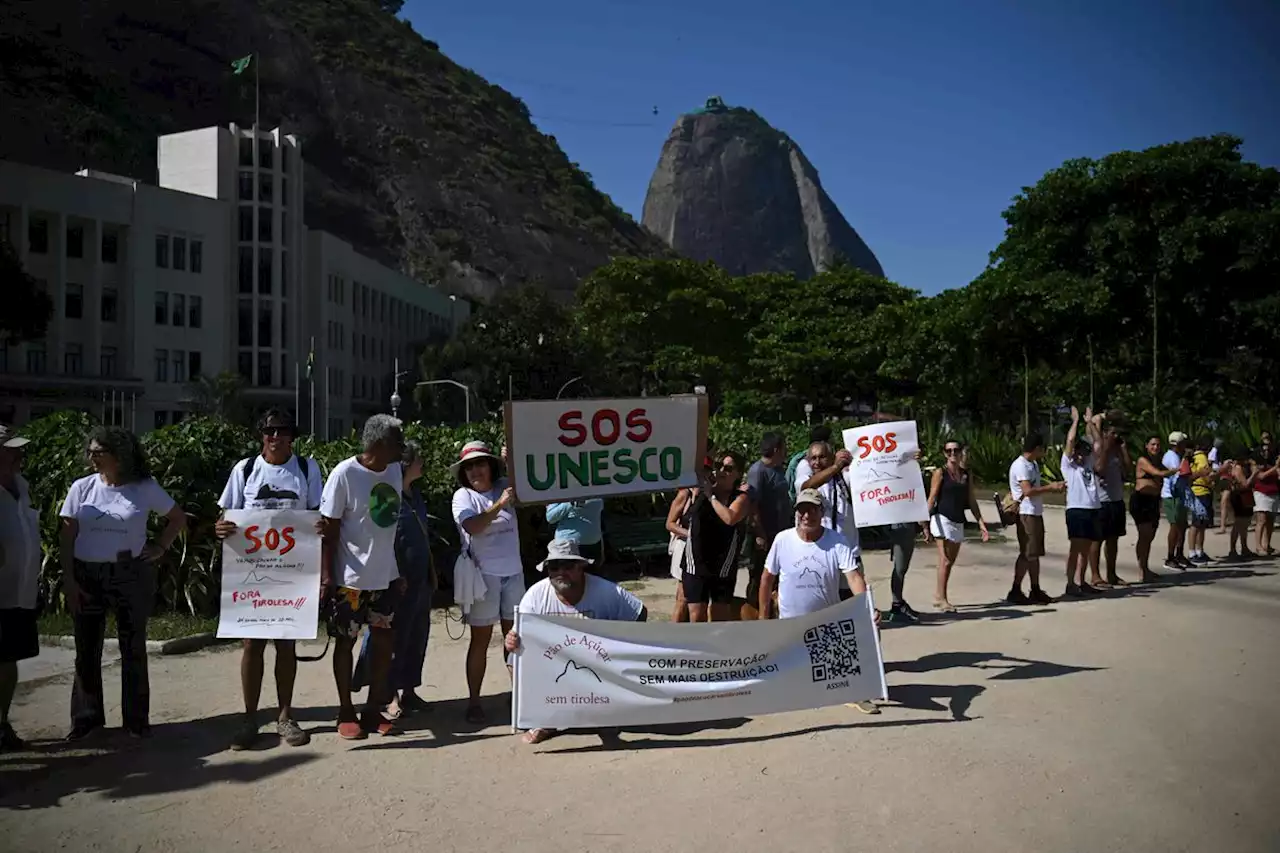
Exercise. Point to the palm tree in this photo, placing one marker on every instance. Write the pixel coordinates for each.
(220, 396)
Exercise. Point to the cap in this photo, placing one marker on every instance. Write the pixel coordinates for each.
(10, 438)
(1176, 437)
(810, 496)
(562, 551)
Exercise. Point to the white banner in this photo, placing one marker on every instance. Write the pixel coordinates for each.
(563, 450)
(583, 673)
(885, 476)
(271, 575)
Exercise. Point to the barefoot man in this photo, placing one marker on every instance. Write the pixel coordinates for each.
(569, 591)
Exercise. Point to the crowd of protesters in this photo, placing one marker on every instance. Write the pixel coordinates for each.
(793, 515)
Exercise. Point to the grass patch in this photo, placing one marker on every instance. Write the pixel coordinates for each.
(163, 626)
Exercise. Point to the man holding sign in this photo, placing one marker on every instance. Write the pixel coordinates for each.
(273, 480)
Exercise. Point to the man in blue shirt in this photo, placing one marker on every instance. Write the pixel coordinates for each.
(579, 521)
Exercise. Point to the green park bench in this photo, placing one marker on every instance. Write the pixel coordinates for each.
(636, 539)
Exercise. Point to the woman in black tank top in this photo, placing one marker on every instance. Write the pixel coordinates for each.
(716, 531)
(950, 494)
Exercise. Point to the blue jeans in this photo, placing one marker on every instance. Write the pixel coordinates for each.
(412, 628)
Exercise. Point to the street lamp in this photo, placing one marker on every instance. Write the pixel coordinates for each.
(566, 385)
(808, 414)
(465, 390)
(395, 393)
(700, 390)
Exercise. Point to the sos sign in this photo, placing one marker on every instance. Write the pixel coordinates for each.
(886, 443)
(280, 541)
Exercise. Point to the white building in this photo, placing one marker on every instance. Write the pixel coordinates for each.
(213, 270)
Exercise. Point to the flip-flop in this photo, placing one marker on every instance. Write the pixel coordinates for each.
(351, 730)
(536, 736)
(1117, 582)
(943, 606)
(381, 726)
(476, 715)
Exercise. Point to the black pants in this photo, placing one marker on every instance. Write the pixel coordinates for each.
(128, 589)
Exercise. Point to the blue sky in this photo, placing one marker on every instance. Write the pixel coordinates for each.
(923, 118)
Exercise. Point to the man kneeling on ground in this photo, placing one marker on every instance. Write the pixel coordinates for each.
(569, 591)
(806, 563)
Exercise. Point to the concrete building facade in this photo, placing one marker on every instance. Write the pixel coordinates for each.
(212, 270)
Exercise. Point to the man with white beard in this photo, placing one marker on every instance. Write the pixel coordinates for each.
(569, 590)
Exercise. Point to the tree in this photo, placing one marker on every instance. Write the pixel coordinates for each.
(220, 396)
(28, 307)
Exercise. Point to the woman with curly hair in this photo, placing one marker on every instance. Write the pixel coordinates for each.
(107, 563)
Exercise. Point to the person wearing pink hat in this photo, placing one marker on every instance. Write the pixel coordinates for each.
(484, 510)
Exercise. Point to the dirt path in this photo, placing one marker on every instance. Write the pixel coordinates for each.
(1138, 721)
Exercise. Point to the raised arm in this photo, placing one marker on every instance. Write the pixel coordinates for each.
(735, 511)
(1073, 432)
(478, 523)
(820, 478)
(558, 512)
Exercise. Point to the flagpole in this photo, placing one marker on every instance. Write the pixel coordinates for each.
(311, 380)
(297, 392)
(255, 98)
(326, 403)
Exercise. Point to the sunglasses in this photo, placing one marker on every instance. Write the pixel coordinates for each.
(95, 452)
(951, 451)
(277, 431)
(728, 469)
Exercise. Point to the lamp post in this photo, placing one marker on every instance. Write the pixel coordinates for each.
(465, 390)
(395, 392)
(808, 414)
(700, 390)
(566, 385)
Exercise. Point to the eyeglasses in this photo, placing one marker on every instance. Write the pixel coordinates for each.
(277, 431)
(95, 452)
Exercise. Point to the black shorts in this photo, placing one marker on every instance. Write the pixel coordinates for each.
(1111, 519)
(1145, 509)
(1084, 524)
(708, 590)
(19, 637)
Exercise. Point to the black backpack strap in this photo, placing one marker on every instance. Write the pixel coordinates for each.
(305, 463)
(248, 469)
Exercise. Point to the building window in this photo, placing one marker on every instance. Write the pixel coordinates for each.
(284, 228)
(264, 270)
(284, 187)
(179, 253)
(197, 256)
(246, 223)
(264, 225)
(73, 360)
(264, 369)
(284, 158)
(264, 187)
(264, 153)
(246, 186)
(162, 365)
(35, 358)
(353, 387)
(195, 307)
(244, 365)
(179, 365)
(284, 273)
(284, 370)
(107, 361)
(246, 269)
(179, 309)
(382, 306)
(110, 304)
(193, 365)
(264, 323)
(246, 151)
(162, 308)
(244, 322)
(162, 251)
(75, 241)
(110, 247)
(73, 302)
(284, 327)
(160, 421)
(38, 235)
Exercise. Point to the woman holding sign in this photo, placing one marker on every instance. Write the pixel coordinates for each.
(950, 494)
(715, 537)
(484, 510)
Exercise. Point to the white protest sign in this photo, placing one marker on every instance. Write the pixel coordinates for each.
(885, 476)
(572, 672)
(270, 575)
(563, 450)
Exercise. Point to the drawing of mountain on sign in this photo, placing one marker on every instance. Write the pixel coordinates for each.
(876, 475)
(254, 578)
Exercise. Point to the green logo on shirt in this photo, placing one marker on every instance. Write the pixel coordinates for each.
(384, 505)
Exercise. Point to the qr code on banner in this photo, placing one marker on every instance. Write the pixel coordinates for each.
(833, 650)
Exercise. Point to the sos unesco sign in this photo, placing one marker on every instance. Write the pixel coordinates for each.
(562, 450)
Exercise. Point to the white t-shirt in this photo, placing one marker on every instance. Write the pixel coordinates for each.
(1024, 469)
(273, 486)
(20, 534)
(497, 549)
(112, 518)
(808, 573)
(803, 472)
(1170, 462)
(1082, 483)
(368, 503)
(600, 600)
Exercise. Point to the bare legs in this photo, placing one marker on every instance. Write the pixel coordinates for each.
(1262, 532)
(1177, 535)
(681, 612)
(1146, 535)
(251, 671)
(947, 553)
(1082, 557)
(477, 663)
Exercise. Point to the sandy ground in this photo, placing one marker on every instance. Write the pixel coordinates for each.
(1141, 720)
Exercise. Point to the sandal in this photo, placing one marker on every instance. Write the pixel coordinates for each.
(476, 715)
(351, 730)
(943, 606)
(536, 736)
(1117, 581)
(376, 724)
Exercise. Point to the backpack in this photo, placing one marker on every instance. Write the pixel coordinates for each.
(303, 462)
(792, 464)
